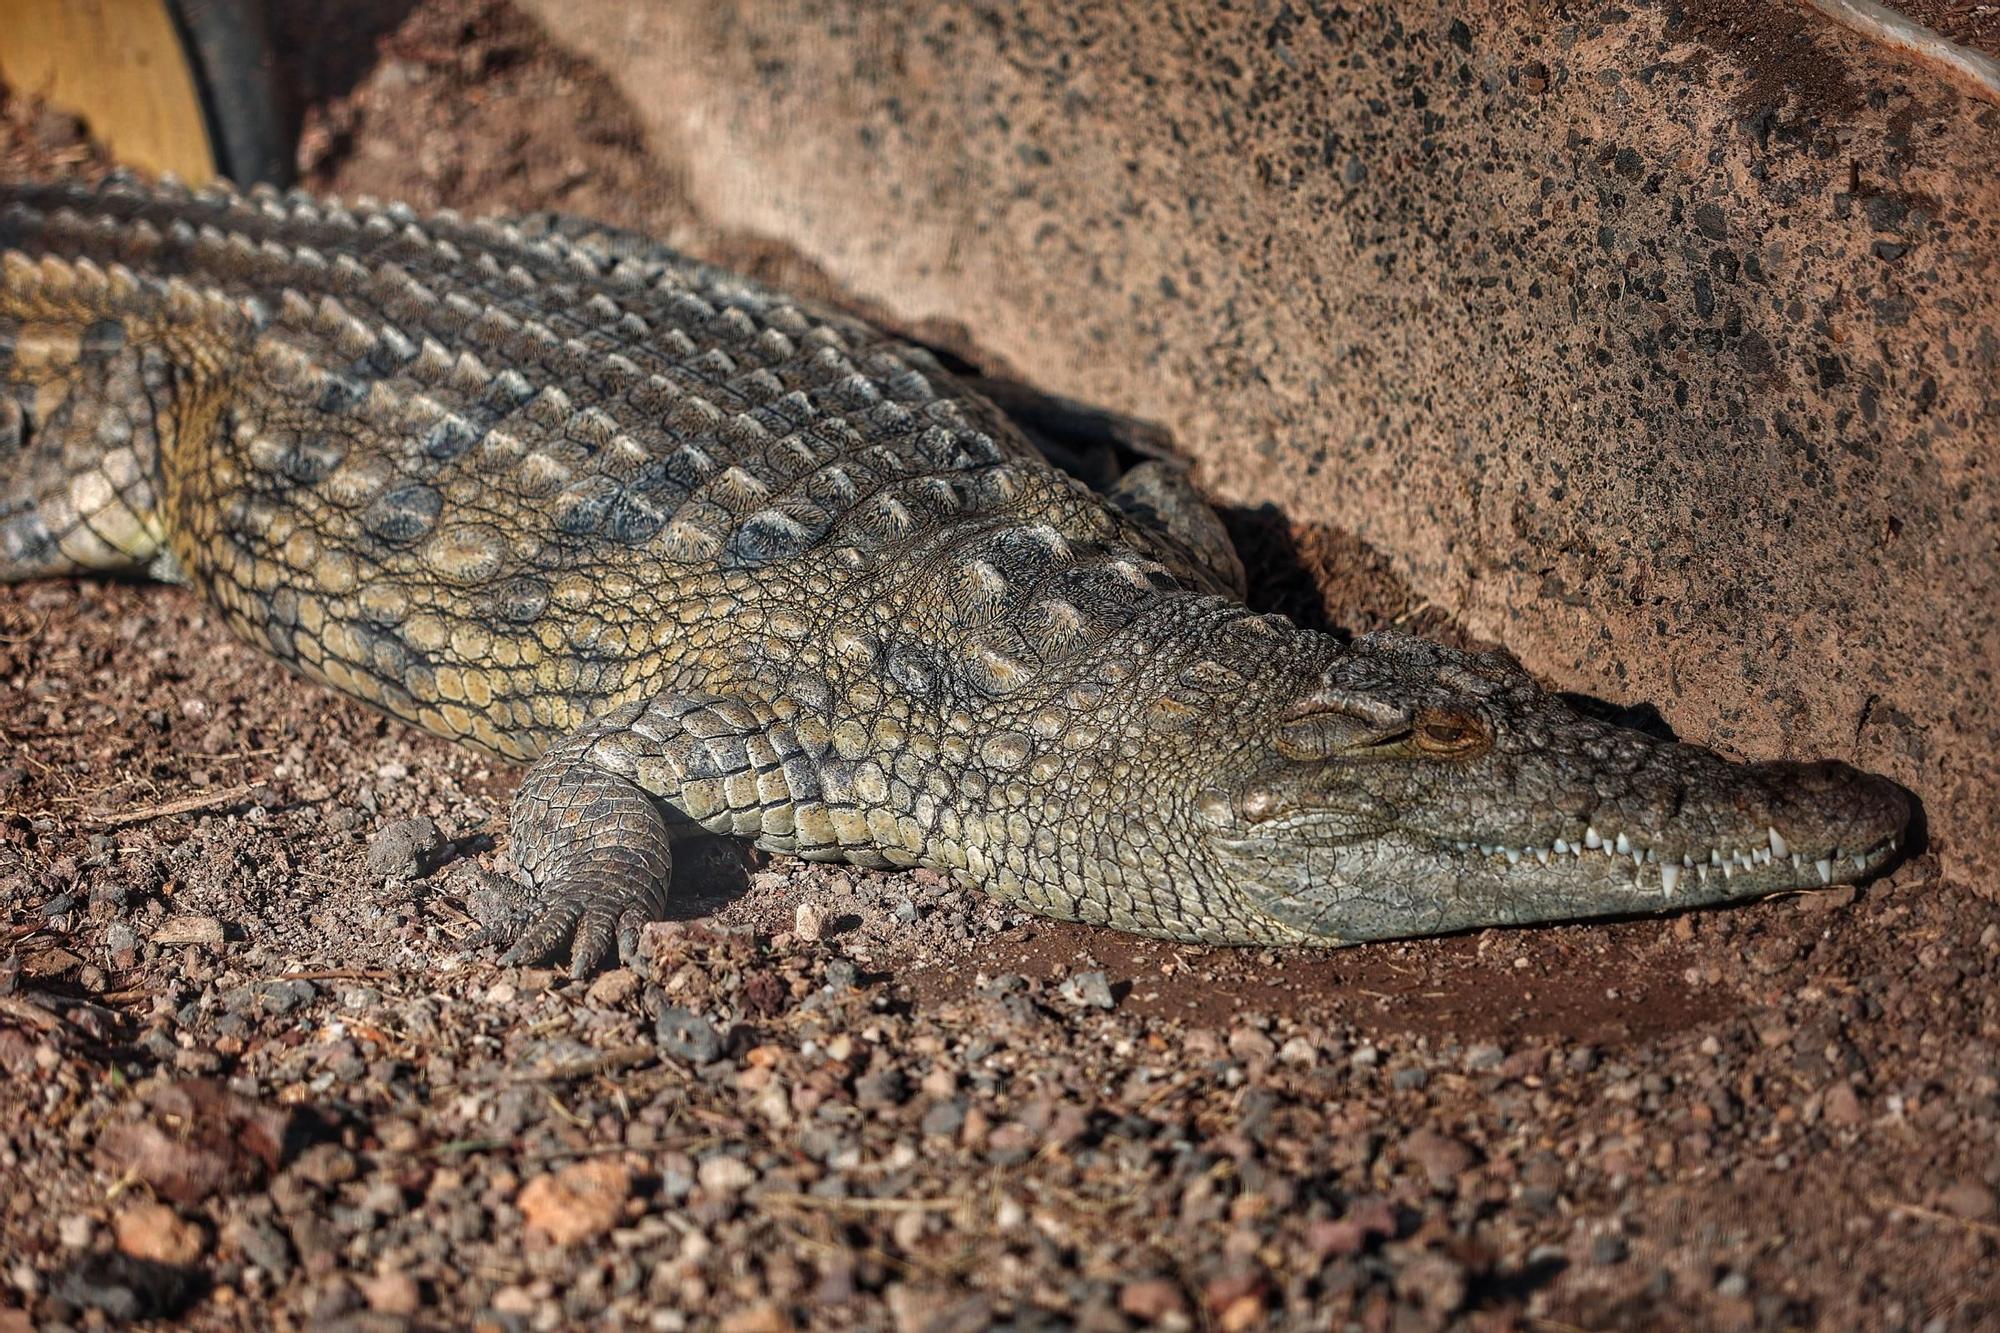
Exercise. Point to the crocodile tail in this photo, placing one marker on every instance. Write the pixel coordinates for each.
(79, 443)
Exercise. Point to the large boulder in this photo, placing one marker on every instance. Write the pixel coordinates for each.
(1660, 344)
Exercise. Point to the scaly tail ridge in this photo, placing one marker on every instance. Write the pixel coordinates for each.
(79, 429)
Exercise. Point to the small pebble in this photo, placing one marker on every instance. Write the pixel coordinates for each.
(687, 1036)
(392, 1293)
(1152, 1299)
(1090, 990)
(1968, 1199)
(1437, 1282)
(155, 1232)
(614, 988)
(406, 849)
(203, 930)
(1299, 1051)
(122, 943)
(809, 921)
(261, 1244)
(326, 1165)
(77, 1231)
(577, 1202)
(127, 1289)
(881, 1088)
(1441, 1157)
(945, 1119)
(723, 1174)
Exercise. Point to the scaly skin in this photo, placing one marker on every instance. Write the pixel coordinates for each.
(710, 558)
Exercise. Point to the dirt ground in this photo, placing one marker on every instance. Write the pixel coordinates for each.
(258, 1075)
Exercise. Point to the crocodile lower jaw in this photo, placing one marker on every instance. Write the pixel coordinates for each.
(1772, 866)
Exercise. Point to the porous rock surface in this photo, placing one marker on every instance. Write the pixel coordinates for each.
(1658, 343)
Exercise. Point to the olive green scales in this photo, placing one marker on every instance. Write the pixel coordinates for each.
(710, 558)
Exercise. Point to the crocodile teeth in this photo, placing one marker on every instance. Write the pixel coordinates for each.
(1672, 866)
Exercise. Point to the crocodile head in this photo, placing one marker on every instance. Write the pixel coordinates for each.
(1397, 787)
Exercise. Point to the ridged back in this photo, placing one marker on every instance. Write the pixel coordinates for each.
(493, 479)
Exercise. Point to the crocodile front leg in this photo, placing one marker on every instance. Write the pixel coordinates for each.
(596, 818)
(592, 852)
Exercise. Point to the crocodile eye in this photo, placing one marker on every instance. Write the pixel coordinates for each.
(1446, 732)
(1322, 735)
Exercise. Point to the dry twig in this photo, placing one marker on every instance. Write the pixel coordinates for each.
(204, 801)
(1885, 1203)
(815, 1203)
(29, 1013)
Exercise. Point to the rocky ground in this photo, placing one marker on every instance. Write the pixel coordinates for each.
(258, 1075)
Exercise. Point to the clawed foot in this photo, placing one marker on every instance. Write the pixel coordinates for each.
(593, 852)
(596, 925)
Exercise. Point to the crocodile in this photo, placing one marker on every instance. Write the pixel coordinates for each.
(711, 559)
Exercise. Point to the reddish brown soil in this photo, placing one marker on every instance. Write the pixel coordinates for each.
(321, 1111)
(1970, 23)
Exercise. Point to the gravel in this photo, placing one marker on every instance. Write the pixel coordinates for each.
(255, 1043)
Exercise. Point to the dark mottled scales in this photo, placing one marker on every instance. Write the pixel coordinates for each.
(716, 559)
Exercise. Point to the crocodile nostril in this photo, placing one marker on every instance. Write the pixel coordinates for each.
(1213, 805)
(1862, 809)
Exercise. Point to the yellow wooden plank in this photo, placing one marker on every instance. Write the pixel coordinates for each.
(119, 65)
